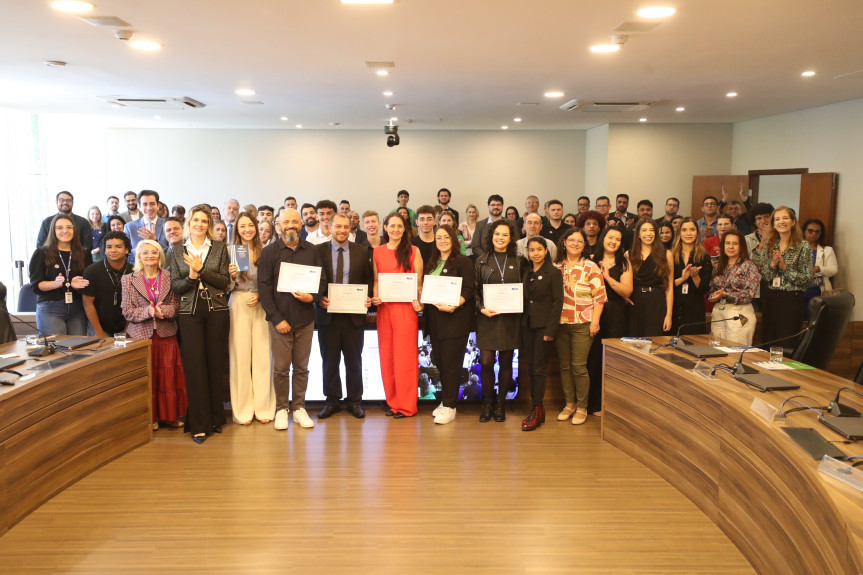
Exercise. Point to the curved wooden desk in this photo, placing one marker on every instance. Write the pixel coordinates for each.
(746, 474)
(64, 423)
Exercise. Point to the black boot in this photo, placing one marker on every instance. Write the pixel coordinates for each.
(499, 409)
(485, 414)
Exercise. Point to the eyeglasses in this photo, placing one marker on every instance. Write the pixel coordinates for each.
(709, 204)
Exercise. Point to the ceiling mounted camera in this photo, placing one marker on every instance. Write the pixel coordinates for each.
(392, 131)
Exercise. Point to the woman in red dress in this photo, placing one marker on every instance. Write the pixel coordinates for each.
(397, 321)
(149, 305)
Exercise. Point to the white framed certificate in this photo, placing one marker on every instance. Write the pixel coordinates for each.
(347, 298)
(503, 298)
(397, 287)
(296, 277)
(441, 290)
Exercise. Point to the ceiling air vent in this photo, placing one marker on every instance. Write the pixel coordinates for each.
(154, 103)
(605, 106)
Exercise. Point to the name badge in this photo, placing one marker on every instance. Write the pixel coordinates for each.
(685, 289)
(777, 281)
(69, 297)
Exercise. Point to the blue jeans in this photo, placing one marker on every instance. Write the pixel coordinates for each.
(60, 318)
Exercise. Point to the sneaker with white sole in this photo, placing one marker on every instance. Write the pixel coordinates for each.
(302, 418)
(437, 410)
(445, 415)
(281, 419)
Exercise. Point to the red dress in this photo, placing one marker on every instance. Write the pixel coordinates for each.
(397, 341)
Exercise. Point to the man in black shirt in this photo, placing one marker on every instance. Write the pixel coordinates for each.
(425, 230)
(555, 226)
(102, 297)
(65, 203)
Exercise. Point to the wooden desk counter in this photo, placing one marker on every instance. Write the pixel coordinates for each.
(745, 473)
(62, 424)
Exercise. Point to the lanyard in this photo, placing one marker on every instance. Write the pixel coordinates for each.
(113, 279)
(499, 269)
(67, 267)
(154, 293)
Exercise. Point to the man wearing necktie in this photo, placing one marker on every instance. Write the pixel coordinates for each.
(342, 334)
(150, 226)
(229, 216)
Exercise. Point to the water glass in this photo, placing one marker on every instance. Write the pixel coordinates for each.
(776, 355)
(120, 340)
(714, 340)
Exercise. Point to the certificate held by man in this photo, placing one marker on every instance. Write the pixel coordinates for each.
(503, 298)
(441, 290)
(299, 278)
(347, 298)
(397, 287)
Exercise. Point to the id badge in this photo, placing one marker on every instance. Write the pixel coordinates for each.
(685, 289)
(69, 297)
(777, 282)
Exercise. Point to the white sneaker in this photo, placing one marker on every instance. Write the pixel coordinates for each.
(281, 419)
(303, 419)
(446, 415)
(438, 409)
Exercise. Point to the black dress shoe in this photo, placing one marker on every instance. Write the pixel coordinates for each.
(199, 439)
(485, 414)
(390, 413)
(328, 410)
(217, 429)
(357, 411)
(400, 415)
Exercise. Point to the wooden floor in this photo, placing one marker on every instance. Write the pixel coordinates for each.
(373, 496)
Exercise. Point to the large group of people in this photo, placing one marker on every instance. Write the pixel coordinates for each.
(204, 284)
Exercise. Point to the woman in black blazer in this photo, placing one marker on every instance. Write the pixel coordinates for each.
(200, 278)
(543, 303)
(449, 326)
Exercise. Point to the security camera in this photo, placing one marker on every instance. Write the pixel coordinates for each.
(391, 129)
(123, 35)
(392, 140)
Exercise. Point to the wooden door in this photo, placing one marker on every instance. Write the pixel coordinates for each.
(818, 200)
(703, 186)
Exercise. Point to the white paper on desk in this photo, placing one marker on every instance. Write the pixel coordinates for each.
(296, 277)
(397, 287)
(347, 298)
(441, 290)
(503, 298)
(737, 349)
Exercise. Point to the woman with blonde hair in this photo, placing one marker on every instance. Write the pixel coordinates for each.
(252, 393)
(150, 306)
(468, 227)
(200, 278)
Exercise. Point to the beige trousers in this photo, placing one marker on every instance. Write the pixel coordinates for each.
(252, 394)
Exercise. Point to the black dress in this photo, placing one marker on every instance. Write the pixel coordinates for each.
(648, 314)
(689, 306)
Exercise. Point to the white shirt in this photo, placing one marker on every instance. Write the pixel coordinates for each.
(317, 237)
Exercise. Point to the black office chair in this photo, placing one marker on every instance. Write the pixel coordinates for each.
(859, 376)
(26, 299)
(828, 318)
(7, 332)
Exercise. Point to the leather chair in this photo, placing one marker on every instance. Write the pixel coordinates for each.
(26, 299)
(828, 319)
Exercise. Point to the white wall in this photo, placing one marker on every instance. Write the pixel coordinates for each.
(258, 166)
(824, 139)
(655, 161)
(596, 161)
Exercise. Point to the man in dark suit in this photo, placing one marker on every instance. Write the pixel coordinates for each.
(150, 226)
(341, 334)
(65, 203)
(359, 235)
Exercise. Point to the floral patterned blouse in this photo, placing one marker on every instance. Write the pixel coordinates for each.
(583, 287)
(739, 282)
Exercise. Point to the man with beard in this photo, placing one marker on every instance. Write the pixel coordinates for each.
(310, 221)
(65, 203)
(622, 205)
(292, 318)
(132, 212)
(113, 206)
(672, 206)
(495, 209)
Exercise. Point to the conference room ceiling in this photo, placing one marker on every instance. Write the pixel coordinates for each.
(459, 64)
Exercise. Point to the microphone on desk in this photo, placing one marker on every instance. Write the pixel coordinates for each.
(740, 369)
(839, 410)
(679, 342)
(47, 348)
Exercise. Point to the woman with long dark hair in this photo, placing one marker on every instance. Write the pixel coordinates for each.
(252, 393)
(824, 261)
(497, 334)
(732, 288)
(785, 263)
(449, 326)
(653, 282)
(200, 278)
(583, 302)
(692, 272)
(543, 303)
(56, 276)
(397, 322)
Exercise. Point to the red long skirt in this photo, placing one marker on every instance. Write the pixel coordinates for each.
(169, 380)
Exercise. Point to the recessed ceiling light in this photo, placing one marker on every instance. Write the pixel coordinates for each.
(244, 92)
(731, 94)
(383, 73)
(808, 73)
(55, 63)
(604, 48)
(656, 12)
(299, 125)
(335, 123)
(75, 6)
(642, 119)
(504, 127)
(394, 119)
(284, 118)
(146, 45)
(388, 93)
(553, 94)
(516, 119)
(679, 109)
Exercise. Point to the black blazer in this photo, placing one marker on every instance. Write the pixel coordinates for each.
(214, 275)
(361, 237)
(543, 298)
(359, 272)
(445, 325)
